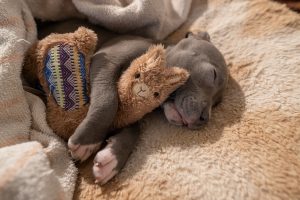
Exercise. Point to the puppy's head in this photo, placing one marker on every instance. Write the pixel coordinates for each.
(191, 104)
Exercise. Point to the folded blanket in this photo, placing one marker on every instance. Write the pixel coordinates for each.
(20, 164)
(155, 18)
(151, 18)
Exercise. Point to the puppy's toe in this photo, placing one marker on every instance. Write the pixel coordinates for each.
(105, 164)
(82, 152)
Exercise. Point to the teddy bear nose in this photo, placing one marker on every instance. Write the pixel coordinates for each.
(141, 90)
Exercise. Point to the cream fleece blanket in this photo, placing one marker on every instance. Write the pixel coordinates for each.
(150, 18)
(249, 150)
(251, 147)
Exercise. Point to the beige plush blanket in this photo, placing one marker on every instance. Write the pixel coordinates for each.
(251, 147)
(249, 150)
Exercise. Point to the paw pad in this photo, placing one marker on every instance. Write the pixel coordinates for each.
(66, 76)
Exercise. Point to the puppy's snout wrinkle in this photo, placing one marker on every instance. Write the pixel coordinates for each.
(189, 105)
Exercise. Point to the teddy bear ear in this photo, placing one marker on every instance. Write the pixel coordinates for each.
(86, 39)
(155, 56)
(177, 76)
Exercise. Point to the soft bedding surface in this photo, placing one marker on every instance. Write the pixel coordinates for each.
(251, 147)
(249, 150)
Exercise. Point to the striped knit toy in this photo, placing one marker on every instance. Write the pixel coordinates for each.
(66, 76)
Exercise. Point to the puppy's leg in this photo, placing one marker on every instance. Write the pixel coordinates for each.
(110, 160)
(93, 129)
(107, 65)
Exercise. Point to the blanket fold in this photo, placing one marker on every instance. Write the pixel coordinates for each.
(155, 18)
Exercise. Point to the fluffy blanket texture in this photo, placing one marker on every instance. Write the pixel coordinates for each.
(151, 18)
(249, 150)
(251, 147)
(154, 18)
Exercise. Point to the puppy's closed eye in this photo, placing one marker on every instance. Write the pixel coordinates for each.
(215, 75)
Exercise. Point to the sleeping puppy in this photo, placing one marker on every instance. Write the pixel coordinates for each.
(191, 104)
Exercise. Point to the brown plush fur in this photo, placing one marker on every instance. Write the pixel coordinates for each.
(62, 122)
(153, 77)
(29, 70)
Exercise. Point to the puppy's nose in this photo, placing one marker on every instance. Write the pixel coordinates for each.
(196, 120)
(204, 117)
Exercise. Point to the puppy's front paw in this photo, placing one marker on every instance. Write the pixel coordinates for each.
(105, 166)
(82, 152)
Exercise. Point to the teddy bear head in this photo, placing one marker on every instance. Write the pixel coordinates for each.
(148, 81)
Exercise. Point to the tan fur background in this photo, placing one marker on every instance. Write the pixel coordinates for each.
(251, 147)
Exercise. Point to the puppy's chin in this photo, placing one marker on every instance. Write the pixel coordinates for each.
(195, 126)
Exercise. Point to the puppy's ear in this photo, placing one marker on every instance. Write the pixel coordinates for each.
(188, 34)
(204, 36)
(200, 35)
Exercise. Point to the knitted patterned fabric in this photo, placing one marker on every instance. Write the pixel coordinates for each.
(66, 76)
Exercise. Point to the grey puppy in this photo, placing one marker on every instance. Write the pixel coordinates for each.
(106, 67)
(190, 105)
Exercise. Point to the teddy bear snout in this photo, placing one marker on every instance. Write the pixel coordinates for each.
(141, 90)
